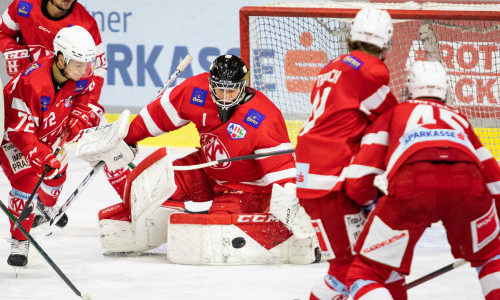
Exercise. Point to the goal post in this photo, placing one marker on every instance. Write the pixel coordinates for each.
(287, 44)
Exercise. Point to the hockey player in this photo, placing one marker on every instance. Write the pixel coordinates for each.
(437, 170)
(27, 31)
(232, 120)
(349, 93)
(41, 102)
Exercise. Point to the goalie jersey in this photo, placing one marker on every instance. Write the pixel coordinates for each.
(348, 94)
(256, 126)
(416, 130)
(28, 21)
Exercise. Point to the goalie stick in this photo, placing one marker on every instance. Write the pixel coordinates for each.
(44, 254)
(221, 161)
(27, 207)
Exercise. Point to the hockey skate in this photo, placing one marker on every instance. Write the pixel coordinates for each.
(43, 214)
(18, 257)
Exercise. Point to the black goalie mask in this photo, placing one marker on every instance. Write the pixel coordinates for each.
(228, 80)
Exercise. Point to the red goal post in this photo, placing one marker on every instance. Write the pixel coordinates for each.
(287, 44)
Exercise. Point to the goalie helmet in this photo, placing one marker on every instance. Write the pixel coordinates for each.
(228, 80)
(426, 79)
(373, 26)
(76, 43)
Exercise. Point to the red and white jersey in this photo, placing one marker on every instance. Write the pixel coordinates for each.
(33, 110)
(256, 126)
(28, 22)
(348, 94)
(420, 129)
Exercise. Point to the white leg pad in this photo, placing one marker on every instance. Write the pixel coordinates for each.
(223, 240)
(123, 236)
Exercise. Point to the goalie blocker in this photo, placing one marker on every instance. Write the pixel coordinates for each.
(145, 220)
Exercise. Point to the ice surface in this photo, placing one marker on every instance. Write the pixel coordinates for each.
(78, 253)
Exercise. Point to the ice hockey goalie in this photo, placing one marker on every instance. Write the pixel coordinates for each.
(148, 218)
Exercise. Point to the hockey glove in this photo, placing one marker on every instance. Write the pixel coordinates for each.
(17, 60)
(42, 156)
(79, 119)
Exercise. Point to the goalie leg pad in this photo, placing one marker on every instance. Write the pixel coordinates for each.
(237, 239)
(118, 234)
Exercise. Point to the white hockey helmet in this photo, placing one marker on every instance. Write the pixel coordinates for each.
(75, 43)
(427, 79)
(372, 26)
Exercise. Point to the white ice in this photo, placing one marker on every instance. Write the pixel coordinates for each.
(77, 251)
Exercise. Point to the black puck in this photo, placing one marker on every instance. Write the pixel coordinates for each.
(238, 242)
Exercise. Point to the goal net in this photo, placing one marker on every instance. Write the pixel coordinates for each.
(287, 44)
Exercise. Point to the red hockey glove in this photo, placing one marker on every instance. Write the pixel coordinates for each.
(17, 60)
(79, 119)
(42, 155)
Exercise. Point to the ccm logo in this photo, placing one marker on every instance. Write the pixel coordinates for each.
(257, 219)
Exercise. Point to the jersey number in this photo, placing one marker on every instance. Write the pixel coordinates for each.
(424, 114)
(318, 108)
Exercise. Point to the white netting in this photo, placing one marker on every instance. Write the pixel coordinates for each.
(288, 47)
(286, 54)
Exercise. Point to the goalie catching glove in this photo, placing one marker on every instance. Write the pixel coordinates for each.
(285, 206)
(105, 143)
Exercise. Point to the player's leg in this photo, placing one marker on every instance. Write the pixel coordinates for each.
(473, 226)
(341, 220)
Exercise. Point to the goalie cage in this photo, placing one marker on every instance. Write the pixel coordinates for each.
(287, 44)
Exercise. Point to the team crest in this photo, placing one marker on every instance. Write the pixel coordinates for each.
(254, 118)
(31, 68)
(81, 85)
(24, 9)
(45, 101)
(236, 131)
(198, 97)
(213, 149)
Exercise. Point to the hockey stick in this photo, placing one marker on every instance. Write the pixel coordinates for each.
(44, 254)
(100, 165)
(27, 208)
(221, 161)
(77, 192)
(184, 63)
(438, 272)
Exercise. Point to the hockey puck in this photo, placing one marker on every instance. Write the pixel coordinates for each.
(238, 242)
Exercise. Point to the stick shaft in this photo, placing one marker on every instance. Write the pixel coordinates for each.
(27, 208)
(439, 272)
(41, 251)
(221, 161)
